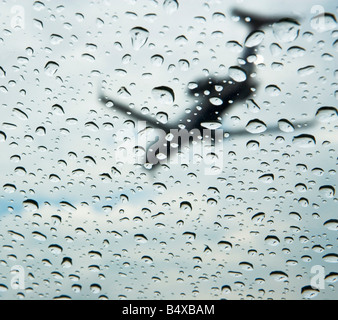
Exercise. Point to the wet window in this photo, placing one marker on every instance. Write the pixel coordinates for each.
(168, 149)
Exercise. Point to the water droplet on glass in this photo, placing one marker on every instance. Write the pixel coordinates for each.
(51, 68)
(55, 249)
(163, 95)
(147, 259)
(254, 39)
(327, 114)
(225, 246)
(252, 106)
(273, 90)
(39, 236)
(253, 145)
(139, 37)
(186, 206)
(279, 276)
(304, 141)
(258, 217)
(267, 178)
(216, 101)
(237, 74)
(162, 117)
(95, 288)
(20, 114)
(323, 22)
(140, 238)
(30, 205)
(286, 30)
(285, 126)
(306, 71)
(309, 293)
(272, 241)
(170, 6)
(331, 258)
(332, 224)
(327, 191)
(256, 126)
(157, 60)
(9, 188)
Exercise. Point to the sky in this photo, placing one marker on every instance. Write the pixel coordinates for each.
(258, 226)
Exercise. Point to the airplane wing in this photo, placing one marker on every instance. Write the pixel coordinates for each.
(133, 114)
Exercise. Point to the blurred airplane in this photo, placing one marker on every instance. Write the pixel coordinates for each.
(206, 116)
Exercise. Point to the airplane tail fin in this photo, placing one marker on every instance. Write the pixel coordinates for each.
(256, 22)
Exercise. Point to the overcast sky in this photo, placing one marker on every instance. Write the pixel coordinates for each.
(61, 143)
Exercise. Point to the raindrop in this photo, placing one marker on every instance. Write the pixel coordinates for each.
(95, 255)
(30, 205)
(170, 6)
(39, 236)
(139, 37)
(186, 207)
(254, 39)
(252, 145)
(58, 110)
(162, 117)
(67, 206)
(296, 52)
(20, 114)
(323, 22)
(273, 90)
(51, 68)
(285, 126)
(306, 71)
(163, 95)
(95, 288)
(258, 217)
(157, 60)
(56, 39)
(256, 126)
(332, 277)
(331, 225)
(327, 191)
(272, 241)
(3, 136)
(190, 236)
(66, 262)
(3, 288)
(9, 188)
(279, 276)
(309, 293)
(16, 236)
(304, 141)
(327, 114)
(225, 245)
(246, 266)
(216, 101)
(237, 74)
(267, 178)
(211, 125)
(54, 178)
(331, 258)
(286, 30)
(252, 106)
(140, 238)
(147, 259)
(184, 65)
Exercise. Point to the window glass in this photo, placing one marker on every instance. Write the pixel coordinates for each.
(168, 149)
